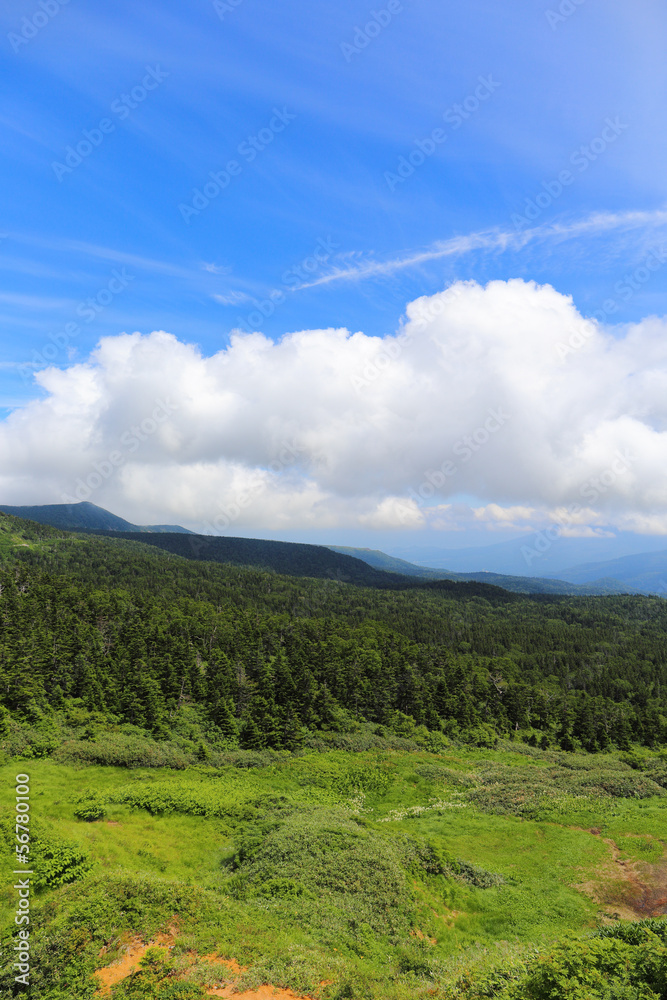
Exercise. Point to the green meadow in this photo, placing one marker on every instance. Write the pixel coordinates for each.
(387, 874)
(242, 781)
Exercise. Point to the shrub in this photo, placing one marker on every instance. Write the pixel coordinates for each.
(120, 750)
(608, 967)
(325, 854)
(56, 863)
(538, 793)
(91, 810)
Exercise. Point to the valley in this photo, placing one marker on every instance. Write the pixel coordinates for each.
(246, 783)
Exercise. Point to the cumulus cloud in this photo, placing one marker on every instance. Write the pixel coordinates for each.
(494, 406)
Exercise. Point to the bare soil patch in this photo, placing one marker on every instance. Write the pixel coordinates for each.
(631, 890)
(135, 949)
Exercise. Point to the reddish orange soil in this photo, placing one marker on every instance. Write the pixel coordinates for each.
(136, 949)
(261, 993)
(129, 963)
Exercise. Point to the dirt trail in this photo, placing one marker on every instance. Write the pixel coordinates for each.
(129, 962)
(264, 992)
(261, 993)
(136, 949)
(629, 889)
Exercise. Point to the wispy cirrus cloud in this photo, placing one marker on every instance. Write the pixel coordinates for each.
(98, 252)
(215, 268)
(498, 240)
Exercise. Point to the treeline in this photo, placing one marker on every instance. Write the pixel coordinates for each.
(136, 634)
(291, 558)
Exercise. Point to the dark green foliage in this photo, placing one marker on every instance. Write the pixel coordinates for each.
(272, 660)
(628, 963)
(53, 861)
(114, 653)
(290, 558)
(90, 810)
(57, 864)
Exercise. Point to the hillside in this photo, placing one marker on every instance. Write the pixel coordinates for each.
(16, 531)
(454, 657)
(242, 778)
(374, 557)
(644, 572)
(296, 558)
(84, 516)
(519, 584)
(291, 558)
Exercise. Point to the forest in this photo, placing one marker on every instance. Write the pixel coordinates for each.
(135, 633)
(403, 789)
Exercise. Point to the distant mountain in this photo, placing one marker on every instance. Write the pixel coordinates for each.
(516, 584)
(645, 572)
(84, 516)
(532, 554)
(380, 560)
(290, 558)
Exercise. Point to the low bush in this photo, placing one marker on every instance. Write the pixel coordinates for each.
(326, 855)
(620, 965)
(538, 793)
(120, 750)
(53, 860)
(90, 810)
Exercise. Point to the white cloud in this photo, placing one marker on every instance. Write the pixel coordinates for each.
(393, 512)
(515, 518)
(498, 240)
(474, 397)
(216, 268)
(231, 298)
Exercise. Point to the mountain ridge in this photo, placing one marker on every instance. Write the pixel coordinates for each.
(329, 561)
(84, 515)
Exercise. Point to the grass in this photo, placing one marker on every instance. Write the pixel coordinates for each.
(386, 874)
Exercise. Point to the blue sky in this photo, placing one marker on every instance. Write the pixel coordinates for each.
(316, 107)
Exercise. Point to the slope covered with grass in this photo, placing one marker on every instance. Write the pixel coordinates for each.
(387, 875)
(241, 779)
